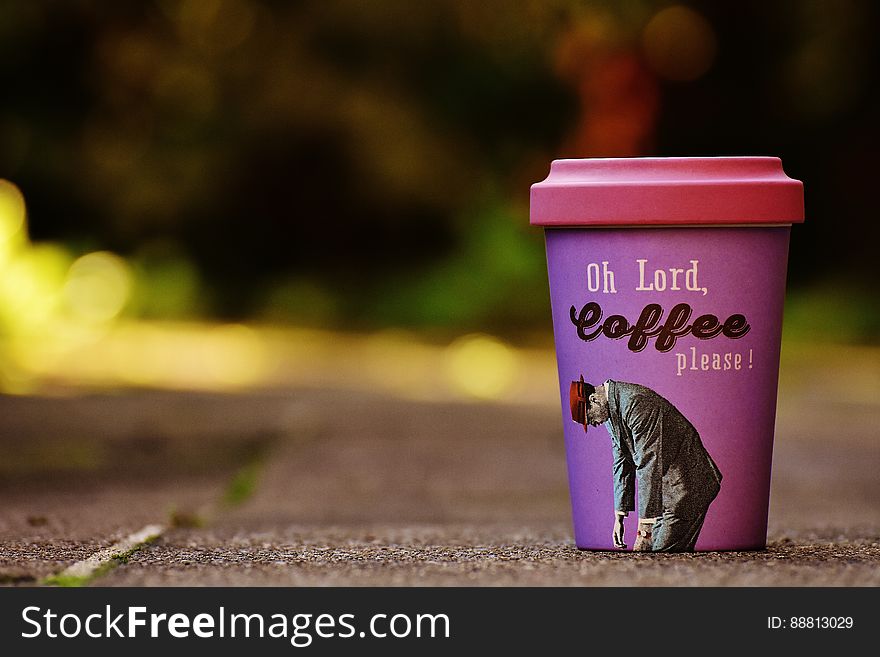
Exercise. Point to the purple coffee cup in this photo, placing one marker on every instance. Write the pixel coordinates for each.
(667, 280)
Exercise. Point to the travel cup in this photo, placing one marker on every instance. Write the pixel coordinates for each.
(667, 280)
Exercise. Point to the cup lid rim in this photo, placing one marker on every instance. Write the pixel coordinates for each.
(667, 190)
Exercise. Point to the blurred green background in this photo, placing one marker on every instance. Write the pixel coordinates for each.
(189, 179)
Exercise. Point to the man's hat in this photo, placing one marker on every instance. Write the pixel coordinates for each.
(579, 395)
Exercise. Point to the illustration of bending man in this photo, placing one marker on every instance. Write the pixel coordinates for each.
(657, 448)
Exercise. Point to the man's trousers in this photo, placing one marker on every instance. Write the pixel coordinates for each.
(672, 533)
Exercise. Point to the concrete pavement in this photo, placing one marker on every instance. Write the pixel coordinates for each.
(314, 487)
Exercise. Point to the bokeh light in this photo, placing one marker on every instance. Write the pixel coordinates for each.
(98, 286)
(12, 218)
(481, 366)
(30, 285)
(679, 44)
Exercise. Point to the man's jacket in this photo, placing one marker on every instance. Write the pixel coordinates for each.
(655, 445)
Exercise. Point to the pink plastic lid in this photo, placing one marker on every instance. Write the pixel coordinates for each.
(667, 190)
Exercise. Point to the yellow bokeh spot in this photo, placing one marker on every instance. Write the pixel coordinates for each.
(98, 286)
(12, 215)
(29, 286)
(481, 366)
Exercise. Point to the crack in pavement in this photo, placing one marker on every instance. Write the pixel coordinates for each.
(83, 572)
